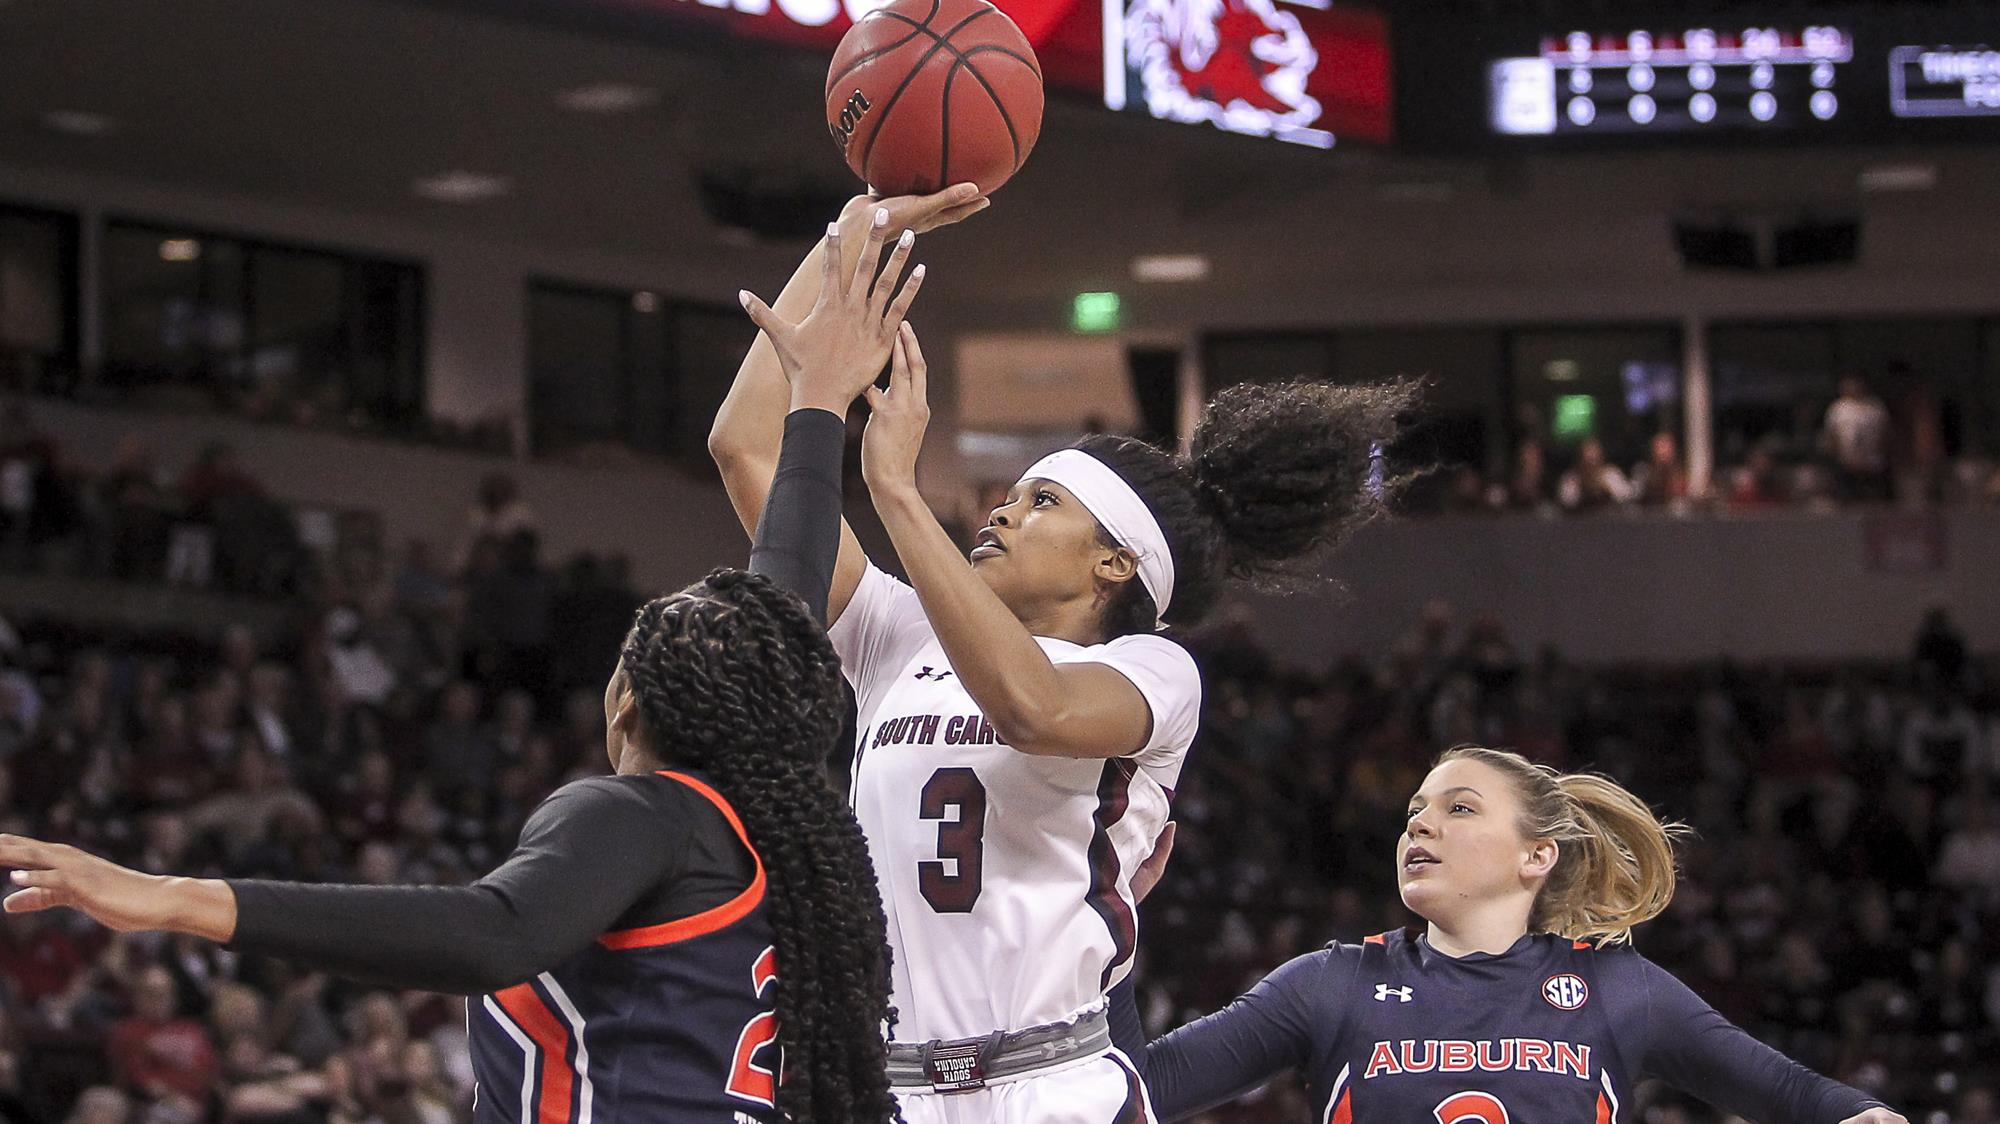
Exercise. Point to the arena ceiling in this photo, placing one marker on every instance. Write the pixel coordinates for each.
(347, 104)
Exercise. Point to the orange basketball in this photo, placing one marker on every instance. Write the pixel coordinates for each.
(923, 94)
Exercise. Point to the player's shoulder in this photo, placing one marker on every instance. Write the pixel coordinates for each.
(628, 793)
(1163, 657)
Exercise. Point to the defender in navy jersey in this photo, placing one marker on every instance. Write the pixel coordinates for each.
(658, 938)
(1517, 1003)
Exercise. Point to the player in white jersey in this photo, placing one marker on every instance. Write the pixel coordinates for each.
(1022, 724)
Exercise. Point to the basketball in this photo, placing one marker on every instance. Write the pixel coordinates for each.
(923, 94)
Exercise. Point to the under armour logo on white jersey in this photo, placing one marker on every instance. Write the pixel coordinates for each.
(1384, 991)
(927, 673)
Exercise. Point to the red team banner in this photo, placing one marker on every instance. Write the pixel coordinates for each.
(1305, 72)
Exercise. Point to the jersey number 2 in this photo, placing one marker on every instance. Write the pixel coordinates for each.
(1470, 1108)
(963, 840)
(747, 1079)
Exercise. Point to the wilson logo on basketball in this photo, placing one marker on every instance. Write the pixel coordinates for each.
(1566, 992)
(850, 117)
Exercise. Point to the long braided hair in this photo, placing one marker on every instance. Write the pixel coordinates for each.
(733, 677)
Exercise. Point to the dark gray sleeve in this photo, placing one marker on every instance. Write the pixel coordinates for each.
(798, 537)
(1226, 1054)
(1128, 1031)
(1692, 1047)
(591, 851)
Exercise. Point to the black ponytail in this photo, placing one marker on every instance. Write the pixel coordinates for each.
(1277, 474)
(735, 678)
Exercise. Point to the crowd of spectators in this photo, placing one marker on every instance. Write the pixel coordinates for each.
(401, 732)
(1858, 451)
(1842, 898)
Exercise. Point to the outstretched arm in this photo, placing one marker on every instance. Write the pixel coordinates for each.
(1224, 1055)
(1036, 705)
(749, 428)
(1695, 1048)
(586, 856)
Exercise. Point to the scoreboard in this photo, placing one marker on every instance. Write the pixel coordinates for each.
(1777, 73)
(1698, 78)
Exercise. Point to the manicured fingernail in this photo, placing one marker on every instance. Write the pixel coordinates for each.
(743, 297)
(833, 230)
(881, 216)
(917, 274)
(967, 190)
(908, 239)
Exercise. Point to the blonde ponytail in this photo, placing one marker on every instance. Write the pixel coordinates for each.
(1615, 866)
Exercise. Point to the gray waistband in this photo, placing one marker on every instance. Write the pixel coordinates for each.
(972, 1063)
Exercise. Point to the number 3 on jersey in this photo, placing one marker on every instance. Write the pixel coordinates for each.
(961, 840)
(747, 1079)
(1471, 1108)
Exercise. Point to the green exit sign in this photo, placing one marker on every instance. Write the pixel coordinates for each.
(1094, 312)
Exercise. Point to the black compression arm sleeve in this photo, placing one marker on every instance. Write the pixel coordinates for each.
(586, 855)
(798, 537)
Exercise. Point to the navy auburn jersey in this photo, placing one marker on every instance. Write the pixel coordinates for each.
(1552, 1031)
(670, 1022)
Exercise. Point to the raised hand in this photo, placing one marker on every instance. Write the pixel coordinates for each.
(56, 874)
(840, 346)
(897, 418)
(919, 213)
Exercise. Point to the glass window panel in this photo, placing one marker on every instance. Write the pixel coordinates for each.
(1983, 419)
(297, 308)
(1228, 359)
(1461, 369)
(34, 299)
(576, 363)
(708, 346)
(1926, 371)
(1617, 384)
(1771, 383)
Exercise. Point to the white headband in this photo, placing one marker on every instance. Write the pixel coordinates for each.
(1107, 496)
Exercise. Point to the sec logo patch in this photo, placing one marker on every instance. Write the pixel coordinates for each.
(1565, 992)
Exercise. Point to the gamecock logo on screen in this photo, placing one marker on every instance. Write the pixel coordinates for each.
(1241, 65)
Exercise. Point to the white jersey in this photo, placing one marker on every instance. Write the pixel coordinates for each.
(1006, 877)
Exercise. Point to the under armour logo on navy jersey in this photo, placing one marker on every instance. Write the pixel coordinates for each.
(1384, 991)
(927, 673)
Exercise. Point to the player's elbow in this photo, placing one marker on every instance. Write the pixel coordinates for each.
(1027, 728)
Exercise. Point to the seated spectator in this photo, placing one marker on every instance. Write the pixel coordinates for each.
(101, 1104)
(160, 1056)
(1528, 486)
(1970, 857)
(257, 796)
(1661, 479)
(1756, 484)
(135, 514)
(1594, 483)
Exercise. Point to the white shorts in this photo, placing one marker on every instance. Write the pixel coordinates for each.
(1104, 1090)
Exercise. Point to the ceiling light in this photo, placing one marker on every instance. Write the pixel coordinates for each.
(1170, 268)
(180, 249)
(607, 97)
(77, 122)
(462, 187)
(1898, 177)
